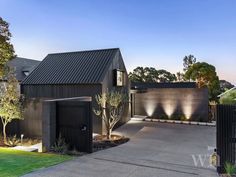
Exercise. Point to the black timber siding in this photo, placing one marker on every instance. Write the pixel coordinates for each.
(191, 102)
(226, 135)
(108, 84)
(42, 92)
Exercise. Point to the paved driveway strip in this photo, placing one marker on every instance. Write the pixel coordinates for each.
(155, 149)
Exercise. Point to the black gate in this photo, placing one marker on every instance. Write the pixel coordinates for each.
(226, 135)
(74, 124)
(72, 119)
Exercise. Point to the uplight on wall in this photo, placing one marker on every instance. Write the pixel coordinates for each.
(187, 106)
(169, 107)
(150, 108)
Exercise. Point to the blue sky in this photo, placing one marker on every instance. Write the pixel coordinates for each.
(157, 33)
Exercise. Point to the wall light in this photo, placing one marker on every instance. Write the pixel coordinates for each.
(149, 107)
(187, 106)
(169, 107)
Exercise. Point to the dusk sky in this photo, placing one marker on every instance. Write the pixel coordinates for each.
(157, 33)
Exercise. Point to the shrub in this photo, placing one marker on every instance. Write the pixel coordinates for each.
(230, 169)
(175, 117)
(60, 146)
(12, 141)
(163, 116)
(183, 118)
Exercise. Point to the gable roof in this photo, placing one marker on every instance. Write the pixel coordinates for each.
(22, 66)
(144, 85)
(82, 67)
(227, 91)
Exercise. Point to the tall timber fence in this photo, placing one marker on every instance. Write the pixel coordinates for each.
(226, 135)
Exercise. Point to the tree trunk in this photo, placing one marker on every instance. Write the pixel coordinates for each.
(109, 133)
(4, 133)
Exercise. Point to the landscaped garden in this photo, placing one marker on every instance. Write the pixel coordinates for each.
(17, 163)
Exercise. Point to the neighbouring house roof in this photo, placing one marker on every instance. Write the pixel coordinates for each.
(22, 66)
(222, 94)
(82, 67)
(143, 85)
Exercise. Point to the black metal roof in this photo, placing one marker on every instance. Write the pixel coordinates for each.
(144, 85)
(22, 66)
(82, 67)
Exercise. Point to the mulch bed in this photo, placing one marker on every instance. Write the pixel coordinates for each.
(100, 142)
(2, 143)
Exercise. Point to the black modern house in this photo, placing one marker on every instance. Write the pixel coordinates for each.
(73, 74)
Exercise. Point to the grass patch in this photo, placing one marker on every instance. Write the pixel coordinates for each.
(15, 163)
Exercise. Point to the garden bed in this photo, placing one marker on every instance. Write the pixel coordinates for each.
(17, 142)
(176, 121)
(101, 142)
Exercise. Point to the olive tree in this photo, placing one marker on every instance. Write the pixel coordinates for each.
(110, 109)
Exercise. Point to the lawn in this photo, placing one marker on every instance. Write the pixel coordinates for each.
(16, 163)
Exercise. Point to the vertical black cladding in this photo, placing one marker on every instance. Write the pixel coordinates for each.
(70, 119)
(226, 135)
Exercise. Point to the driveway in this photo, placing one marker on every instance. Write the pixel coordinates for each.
(155, 149)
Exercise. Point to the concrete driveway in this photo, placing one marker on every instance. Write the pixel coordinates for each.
(155, 149)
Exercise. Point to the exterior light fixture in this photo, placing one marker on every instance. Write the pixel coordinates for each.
(21, 138)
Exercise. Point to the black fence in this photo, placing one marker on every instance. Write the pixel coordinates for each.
(226, 135)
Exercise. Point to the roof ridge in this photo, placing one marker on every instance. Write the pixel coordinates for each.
(25, 59)
(80, 51)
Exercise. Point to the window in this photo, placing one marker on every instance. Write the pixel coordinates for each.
(119, 78)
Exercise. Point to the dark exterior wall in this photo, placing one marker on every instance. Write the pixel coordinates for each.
(191, 102)
(31, 126)
(42, 92)
(108, 84)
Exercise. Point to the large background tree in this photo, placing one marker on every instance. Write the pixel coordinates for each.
(150, 74)
(6, 48)
(205, 75)
(188, 61)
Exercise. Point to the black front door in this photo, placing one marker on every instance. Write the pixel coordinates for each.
(74, 124)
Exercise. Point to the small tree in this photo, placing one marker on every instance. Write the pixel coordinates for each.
(10, 103)
(110, 109)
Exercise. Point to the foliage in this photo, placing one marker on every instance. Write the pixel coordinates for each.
(163, 116)
(17, 163)
(110, 109)
(230, 169)
(229, 98)
(12, 141)
(178, 117)
(150, 74)
(60, 146)
(10, 103)
(6, 48)
(188, 61)
(205, 75)
(180, 77)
